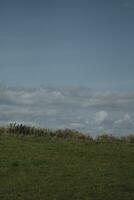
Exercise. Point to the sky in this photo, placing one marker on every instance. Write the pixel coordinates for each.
(84, 46)
(76, 42)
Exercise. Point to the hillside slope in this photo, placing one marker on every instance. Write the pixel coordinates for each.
(41, 168)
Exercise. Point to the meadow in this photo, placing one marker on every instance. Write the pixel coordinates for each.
(64, 165)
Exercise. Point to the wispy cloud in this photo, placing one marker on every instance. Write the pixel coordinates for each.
(78, 108)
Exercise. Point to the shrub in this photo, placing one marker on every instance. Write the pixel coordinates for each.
(68, 134)
(2, 130)
(106, 138)
(71, 134)
(128, 139)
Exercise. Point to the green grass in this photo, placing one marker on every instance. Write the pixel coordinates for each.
(44, 168)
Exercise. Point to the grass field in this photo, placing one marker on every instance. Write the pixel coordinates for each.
(42, 168)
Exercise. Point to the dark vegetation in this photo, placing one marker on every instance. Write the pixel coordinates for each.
(64, 165)
(68, 134)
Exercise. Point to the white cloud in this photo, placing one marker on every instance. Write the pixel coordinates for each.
(127, 117)
(78, 108)
(101, 116)
(125, 122)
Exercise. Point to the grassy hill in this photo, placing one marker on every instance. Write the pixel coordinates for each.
(65, 168)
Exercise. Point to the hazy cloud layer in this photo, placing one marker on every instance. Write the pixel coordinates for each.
(77, 108)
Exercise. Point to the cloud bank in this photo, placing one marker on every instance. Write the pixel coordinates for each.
(83, 109)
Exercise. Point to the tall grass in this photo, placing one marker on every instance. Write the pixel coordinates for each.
(66, 134)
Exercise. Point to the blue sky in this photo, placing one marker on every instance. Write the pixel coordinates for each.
(68, 63)
(81, 43)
